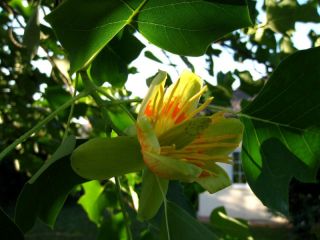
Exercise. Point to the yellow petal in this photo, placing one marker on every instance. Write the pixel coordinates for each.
(150, 104)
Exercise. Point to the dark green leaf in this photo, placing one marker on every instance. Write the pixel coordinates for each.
(63, 150)
(282, 130)
(188, 27)
(44, 198)
(228, 227)
(247, 84)
(8, 229)
(183, 27)
(84, 28)
(184, 226)
(111, 65)
(283, 15)
(151, 56)
(31, 35)
(119, 118)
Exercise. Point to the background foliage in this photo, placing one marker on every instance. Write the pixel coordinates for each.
(280, 111)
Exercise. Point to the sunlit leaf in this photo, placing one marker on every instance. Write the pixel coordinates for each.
(94, 201)
(188, 27)
(183, 27)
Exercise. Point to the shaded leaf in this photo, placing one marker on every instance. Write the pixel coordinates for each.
(282, 127)
(63, 150)
(31, 37)
(118, 117)
(247, 84)
(184, 226)
(45, 197)
(283, 15)
(228, 227)
(111, 64)
(8, 229)
(151, 56)
(151, 197)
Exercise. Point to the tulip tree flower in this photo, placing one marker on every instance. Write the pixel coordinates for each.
(173, 142)
(176, 143)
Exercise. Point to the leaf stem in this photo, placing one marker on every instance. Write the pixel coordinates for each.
(123, 210)
(244, 115)
(165, 208)
(41, 124)
(136, 11)
(71, 110)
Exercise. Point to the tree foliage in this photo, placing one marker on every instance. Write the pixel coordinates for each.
(90, 48)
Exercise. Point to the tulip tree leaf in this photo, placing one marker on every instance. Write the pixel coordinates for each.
(31, 35)
(184, 27)
(188, 27)
(227, 227)
(45, 196)
(183, 226)
(63, 150)
(151, 197)
(8, 229)
(282, 130)
(93, 201)
(283, 15)
(103, 158)
(111, 64)
(85, 27)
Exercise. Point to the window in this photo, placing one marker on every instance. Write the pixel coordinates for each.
(238, 173)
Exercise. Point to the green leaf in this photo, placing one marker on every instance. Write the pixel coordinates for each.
(103, 158)
(118, 117)
(283, 15)
(151, 197)
(228, 227)
(184, 226)
(63, 150)
(151, 56)
(84, 28)
(31, 37)
(111, 64)
(247, 84)
(8, 229)
(94, 201)
(282, 130)
(183, 27)
(188, 27)
(45, 197)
